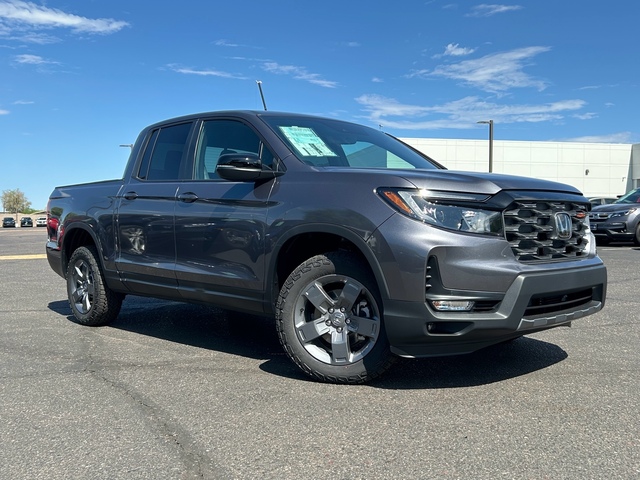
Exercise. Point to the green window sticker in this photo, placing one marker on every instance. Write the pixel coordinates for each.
(307, 142)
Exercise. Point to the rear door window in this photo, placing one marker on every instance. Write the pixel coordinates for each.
(165, 156)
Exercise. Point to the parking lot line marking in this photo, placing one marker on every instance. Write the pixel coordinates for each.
(23, 257)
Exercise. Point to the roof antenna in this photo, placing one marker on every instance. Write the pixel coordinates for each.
(264, 104)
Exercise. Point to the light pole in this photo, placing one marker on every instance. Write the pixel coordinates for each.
(490, 123)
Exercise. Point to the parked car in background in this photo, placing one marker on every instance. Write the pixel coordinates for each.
(602, 200)
(41, 222)
(26, 222)
(618, 221)
(8, 222)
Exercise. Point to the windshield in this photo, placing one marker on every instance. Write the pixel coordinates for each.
(632, 197)
(323, 142)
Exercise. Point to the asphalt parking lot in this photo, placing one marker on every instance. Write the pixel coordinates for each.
(176, 391)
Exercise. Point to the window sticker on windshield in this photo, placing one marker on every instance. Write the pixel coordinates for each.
(307, 142)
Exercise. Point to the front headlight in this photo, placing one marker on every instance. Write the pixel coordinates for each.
(628, 211)
(445, 210)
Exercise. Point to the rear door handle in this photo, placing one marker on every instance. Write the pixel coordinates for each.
(188, 197)
(131, 195)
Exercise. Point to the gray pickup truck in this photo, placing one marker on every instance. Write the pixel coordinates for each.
(363, 248)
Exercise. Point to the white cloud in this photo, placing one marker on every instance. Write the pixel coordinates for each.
(495, 73)
(380, 107)
(18, 15)
(299, 73)
(29, 59)
(34, 60)
(454, 50)
(226, 43)
(585, 116)
(461, 114)
(35, 38)
(485, 10)
(621, 137)
(23, 102)
(4, 112)
(204, 73)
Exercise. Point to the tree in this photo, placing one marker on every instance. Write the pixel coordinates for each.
(14, 201)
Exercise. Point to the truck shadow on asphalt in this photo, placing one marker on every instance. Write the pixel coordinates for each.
(255, 337)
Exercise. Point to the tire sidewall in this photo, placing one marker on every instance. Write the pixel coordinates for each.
(376, 361)
(104, 307)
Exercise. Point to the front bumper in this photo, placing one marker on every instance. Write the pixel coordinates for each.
(612, 230)
(415, 330)
(421, 264)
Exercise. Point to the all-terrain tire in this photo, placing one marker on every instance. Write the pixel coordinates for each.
(92, 302)
(636, 237)
(330, 320)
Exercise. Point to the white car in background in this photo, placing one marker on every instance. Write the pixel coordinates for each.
(41, 222)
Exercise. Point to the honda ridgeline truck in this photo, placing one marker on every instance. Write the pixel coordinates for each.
(362, 248)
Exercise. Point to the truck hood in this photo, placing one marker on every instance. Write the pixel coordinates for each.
(614, 207)
(484, 183)
(489, 184)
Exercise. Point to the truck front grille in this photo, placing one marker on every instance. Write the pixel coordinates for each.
(546, 230)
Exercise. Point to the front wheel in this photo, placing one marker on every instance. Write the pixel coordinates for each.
(636, 237)
(92, 301)
(329, 320)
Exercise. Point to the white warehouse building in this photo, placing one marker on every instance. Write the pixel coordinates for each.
(596, 169)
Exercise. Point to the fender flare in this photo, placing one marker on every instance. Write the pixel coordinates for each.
(358, 241)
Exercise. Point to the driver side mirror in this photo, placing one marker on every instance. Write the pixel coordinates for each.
(244, 167)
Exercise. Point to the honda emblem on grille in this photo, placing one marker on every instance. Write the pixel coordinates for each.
(563, 225)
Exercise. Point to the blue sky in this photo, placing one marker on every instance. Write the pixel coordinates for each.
(77, 79)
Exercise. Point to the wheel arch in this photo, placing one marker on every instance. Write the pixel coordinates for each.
(76, 236)
(303, 242)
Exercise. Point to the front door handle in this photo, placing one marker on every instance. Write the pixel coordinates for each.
(131, 195)
(188, 197)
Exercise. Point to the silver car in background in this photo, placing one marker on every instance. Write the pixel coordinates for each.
(617, 221)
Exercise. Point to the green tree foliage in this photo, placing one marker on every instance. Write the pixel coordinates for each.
(15, 201)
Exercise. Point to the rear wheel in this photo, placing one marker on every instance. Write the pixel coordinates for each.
(329, 319)
(91, 301)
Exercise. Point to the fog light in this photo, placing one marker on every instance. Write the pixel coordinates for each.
(453, 305)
